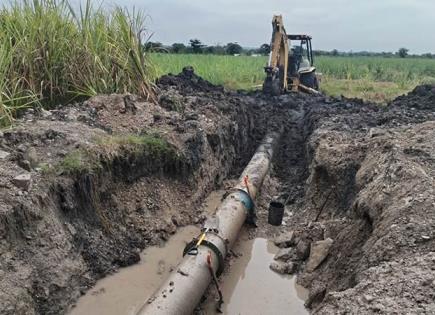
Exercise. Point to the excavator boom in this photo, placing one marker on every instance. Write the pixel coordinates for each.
(276, 69)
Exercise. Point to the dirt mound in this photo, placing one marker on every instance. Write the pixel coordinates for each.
(187, 82)
(422, 97)
(367, 182)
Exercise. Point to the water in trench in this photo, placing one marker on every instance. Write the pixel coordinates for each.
(248, 285)
(124, 292)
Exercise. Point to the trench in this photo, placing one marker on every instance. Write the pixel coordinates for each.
(83, 229)
(124, 292)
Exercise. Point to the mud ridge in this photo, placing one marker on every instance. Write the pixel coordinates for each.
(368, 187)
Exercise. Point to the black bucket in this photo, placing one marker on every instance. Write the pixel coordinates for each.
(276, 213)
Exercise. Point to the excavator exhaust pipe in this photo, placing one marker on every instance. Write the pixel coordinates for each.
(182, 291)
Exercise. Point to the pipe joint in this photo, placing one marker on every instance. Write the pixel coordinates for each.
(246, 199)
(213, 242)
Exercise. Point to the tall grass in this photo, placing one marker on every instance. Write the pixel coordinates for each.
(50, 53)
(378, 69)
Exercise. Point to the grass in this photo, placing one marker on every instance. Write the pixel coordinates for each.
(374, 78)
(148, 146)
(371, 78)
(78, 161)
(51, 53)
(376, 91)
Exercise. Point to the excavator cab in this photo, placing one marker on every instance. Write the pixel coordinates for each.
(301, 68)
(291, 62)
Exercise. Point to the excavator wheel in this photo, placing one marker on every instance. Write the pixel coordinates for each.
(310, 80)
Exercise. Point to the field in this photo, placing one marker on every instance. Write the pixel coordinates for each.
(371, 78)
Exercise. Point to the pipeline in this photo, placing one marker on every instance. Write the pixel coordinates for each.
(182, 291)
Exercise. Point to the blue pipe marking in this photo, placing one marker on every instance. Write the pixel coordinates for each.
(246, 200)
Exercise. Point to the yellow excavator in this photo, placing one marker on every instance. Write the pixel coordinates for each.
(291, 62)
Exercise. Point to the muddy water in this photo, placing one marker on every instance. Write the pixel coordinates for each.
(250, 287)
(212, 202)
(124, 292)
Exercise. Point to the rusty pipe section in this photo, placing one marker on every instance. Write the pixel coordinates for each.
(182, 291)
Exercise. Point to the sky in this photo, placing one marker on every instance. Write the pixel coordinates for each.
(346, 25)
(374, 25)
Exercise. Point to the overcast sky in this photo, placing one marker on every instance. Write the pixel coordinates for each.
(375, 25)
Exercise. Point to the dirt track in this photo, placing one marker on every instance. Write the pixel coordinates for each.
(366, 172)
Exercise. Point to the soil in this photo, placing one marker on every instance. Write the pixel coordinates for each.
(108, 177)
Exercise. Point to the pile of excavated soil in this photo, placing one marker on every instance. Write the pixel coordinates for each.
(422, 97)
(359, 184)
(85, 187)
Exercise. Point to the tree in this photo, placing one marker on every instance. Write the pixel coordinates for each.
(196, 46)
(178, 48)
(153, 46)
(264, 49)
(219, 50)
(403, 52)
(334, 52)
(233, 49)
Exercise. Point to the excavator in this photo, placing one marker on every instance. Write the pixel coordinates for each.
(291, 63)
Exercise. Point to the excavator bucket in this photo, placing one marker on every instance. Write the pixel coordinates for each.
(276, 69)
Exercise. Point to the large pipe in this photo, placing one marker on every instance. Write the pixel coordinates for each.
(182, 291)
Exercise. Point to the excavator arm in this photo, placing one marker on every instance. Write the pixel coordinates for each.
(276, 69)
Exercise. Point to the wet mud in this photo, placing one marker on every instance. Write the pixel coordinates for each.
(126, 291)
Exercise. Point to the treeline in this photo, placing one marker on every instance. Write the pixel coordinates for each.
(195, 46)
(402, 53)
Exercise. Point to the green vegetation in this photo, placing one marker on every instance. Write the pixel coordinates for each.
(373, 78)
(151, 145)
(78, 161)
(403, 71)
(90, 160)
(52, 53)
